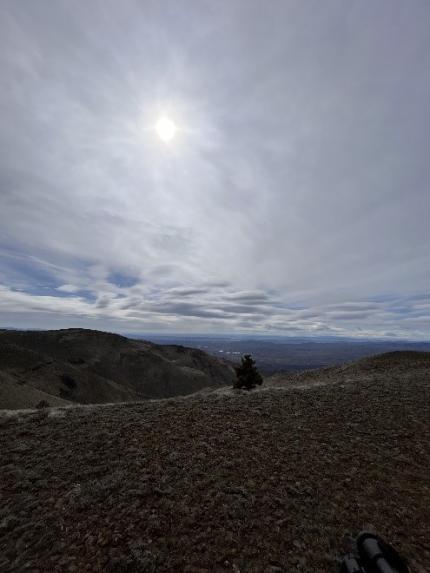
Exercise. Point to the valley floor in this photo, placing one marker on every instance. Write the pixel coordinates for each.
(268, 481)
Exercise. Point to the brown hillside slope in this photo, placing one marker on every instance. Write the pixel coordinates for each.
(365, 370)
(88, 366)
(268, 481)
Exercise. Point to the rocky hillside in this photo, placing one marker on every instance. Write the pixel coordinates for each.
(275, 480)
(88, 366)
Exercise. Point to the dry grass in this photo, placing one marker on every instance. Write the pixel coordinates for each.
(268, 481)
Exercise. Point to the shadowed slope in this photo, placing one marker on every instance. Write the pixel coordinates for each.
(89, 366)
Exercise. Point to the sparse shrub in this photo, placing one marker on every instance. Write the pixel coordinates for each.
(247, 374)
(42, 404)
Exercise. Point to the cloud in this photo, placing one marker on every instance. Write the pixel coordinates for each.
(251, 297)
(184, 291)
(349, 315)
(294, 198)
(68, 288)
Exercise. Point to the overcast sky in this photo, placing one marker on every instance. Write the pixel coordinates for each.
(294, 198)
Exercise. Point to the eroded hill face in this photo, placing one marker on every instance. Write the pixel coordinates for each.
(89, 366)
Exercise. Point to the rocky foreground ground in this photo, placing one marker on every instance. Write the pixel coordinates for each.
(276, 480)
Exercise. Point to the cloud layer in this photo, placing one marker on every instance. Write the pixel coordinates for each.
(294, 199)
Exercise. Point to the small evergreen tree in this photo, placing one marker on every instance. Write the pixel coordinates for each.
(247, 374)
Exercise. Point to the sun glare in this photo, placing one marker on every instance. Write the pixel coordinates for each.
(166, 129)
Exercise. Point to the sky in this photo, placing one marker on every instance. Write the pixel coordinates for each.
(293, 200)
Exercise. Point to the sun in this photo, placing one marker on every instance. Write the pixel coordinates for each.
(166, 129)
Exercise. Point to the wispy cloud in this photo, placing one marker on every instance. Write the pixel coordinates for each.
(294, 198)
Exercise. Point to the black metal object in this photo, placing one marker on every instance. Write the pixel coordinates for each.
(378, 556)
(374, 556)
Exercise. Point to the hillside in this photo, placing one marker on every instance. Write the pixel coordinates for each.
(276, 480)
(398, 364)
(88, 366)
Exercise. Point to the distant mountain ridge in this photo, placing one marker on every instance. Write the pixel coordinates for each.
(89, 366)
